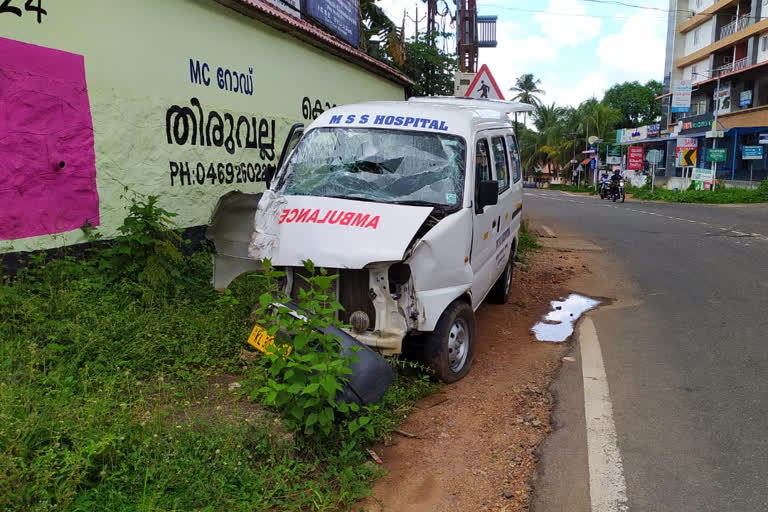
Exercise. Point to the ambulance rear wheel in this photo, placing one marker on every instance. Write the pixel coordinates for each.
(499, 294)
(450, 348)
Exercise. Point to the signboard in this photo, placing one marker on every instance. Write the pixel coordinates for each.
(700, 174)
(723, 99)
(745, 98)
(635, 158)
(688, 125)
(681, 96)
(626, 135)
(290, 6)
(685, 153)
(653, 130)
(752, 153)
(716, 155)
(484, 86)
(639, 133)
(619, 134)
(339, 16)
(764, 138)
(614, 156)
(655, 156)
(685, 157)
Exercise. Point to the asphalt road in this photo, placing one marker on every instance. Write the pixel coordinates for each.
(685, 351)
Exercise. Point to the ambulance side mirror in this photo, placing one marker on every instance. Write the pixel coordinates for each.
(488, 193)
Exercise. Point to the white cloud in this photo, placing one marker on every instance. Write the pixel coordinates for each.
(515, 54)
(567, 24)
(635, 53)
(593, 83)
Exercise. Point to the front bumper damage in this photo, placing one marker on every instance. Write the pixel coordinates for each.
(371, 374)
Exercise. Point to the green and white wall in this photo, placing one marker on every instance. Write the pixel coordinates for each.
(102, 96)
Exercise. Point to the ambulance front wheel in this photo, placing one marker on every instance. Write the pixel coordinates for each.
(450, 348)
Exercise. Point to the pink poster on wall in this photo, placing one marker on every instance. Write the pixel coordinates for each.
(47, 160)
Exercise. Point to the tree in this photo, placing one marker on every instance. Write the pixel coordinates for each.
(429, 67)
(527, 88)
(379, 37)
(635, 102)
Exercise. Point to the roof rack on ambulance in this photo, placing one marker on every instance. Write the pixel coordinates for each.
(500, 106)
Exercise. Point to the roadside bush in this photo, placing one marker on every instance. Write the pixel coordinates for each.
(720, 195)
(147, 250)
(109, 401)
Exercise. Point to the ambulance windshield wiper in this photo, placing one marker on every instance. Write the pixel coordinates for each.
(416, 202)
(356, 198)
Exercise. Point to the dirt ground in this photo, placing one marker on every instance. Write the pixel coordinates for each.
(473, 446)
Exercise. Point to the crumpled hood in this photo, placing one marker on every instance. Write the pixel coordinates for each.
(333, 233)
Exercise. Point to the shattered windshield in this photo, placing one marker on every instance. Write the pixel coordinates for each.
(389, 166)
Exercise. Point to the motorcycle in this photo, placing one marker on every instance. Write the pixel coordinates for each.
(617, 192)
(605, 188)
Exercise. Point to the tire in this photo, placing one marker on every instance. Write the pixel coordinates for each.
(615, 197)
(499, 294)
(450, 348)
(623, 197)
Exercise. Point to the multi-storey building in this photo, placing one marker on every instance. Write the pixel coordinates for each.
(722, 47)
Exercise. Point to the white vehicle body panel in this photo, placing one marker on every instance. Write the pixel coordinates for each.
(333, 233)
(457, 255)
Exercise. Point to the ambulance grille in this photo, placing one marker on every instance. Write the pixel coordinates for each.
(352, 292)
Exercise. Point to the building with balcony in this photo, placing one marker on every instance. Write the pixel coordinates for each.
(721, 46)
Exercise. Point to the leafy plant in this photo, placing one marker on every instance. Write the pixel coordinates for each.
(147, 250)
(307, 369)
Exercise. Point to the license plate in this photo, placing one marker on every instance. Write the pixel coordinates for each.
(261, 340)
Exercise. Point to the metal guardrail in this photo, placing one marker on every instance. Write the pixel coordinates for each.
(735, 26)
(734, 66)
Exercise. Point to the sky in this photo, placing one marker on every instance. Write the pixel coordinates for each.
(578, 48)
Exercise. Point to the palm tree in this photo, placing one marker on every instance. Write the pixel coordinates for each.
(527, 88)
(547, 117)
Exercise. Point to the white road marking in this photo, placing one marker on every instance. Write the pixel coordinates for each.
(757, 236)
(607, 486)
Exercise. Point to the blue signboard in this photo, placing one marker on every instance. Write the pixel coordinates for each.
(593, 163)
(752, 152)
(339, 16)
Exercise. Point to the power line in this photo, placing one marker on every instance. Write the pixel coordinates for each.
(691, 14)
(576, 15)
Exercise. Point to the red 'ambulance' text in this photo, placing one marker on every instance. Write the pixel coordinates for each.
(340, 217)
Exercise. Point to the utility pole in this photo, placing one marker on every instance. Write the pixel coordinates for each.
(466, 36)
(714, 129)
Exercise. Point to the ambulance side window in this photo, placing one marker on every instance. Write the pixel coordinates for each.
(501, 161)
(482, 166)
(514, 157)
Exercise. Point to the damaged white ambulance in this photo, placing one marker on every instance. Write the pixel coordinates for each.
(415, 204)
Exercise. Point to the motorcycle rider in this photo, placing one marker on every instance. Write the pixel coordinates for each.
(605, 185)
(615, 179)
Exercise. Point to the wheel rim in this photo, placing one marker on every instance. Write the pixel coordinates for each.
(458, 345)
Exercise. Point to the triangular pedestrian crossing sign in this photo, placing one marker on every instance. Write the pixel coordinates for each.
(484, 86)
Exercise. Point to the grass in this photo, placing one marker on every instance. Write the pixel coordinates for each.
(527, 242)
(109, 400)
(718, 196)
(572, 188)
